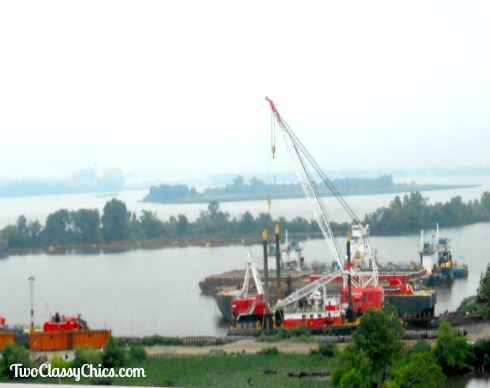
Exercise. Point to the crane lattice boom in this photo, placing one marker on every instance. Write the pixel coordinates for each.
(303, 162)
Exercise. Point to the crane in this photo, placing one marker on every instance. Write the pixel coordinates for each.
(365, 273)
(251, 269)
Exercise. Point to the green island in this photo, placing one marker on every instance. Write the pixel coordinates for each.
(119, 228)
(257, 189)
(376, 355)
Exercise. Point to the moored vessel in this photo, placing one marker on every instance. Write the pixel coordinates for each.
(59, 333)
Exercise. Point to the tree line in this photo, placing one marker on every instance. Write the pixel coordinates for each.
(88, 226)
(414, 213)
(117, 223)
(166, 193)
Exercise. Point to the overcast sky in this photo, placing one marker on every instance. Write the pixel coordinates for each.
(178, 87)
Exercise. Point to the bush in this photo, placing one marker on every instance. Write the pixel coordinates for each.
(328, 350)
(299, 331)
(137, 352)
(58, 362)
(267, 338)
(304, 338)
(469, 304)
(269, 351)
(86, 356)
(160, 340)
(114, 354)
(14, 354)
(284, 333)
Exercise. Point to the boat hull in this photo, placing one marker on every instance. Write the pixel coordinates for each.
(421, 304)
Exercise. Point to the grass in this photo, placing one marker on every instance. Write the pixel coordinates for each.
(267, 369)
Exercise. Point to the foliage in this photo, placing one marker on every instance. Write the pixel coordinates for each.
(469, 304)
(160, 340)
(238, 189)
(377, 344)
(169, 193)
(267, 338)
(137, 352)
(379, 336)
(354, 369)
(421, 371)
(451, 350)
(481, 301)
(481, 355)
(483, 292)
(60, 363)
(14, 354)
(86, 226)
(115, 221)
(114, 355)
(421, 346)
(328, 350)
(415, 213)
(86, 356)
(298, 334)
(269, 351)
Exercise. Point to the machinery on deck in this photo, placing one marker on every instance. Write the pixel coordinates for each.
(308, 306)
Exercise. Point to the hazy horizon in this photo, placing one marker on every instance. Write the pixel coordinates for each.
(177, 88)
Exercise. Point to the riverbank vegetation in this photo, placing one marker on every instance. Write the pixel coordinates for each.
(257, 189)
(479, 303)
(118, 224)
(414, 212)
(377, 356)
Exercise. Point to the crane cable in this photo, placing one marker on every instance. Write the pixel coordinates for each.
(273, 148)
(299, 146)
(273, 135)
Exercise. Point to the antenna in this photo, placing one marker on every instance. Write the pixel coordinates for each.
(31, 281)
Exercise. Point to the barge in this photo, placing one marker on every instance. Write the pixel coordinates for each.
(59, 333)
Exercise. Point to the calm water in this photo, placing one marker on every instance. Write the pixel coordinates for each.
(38, 208)
(156, 291)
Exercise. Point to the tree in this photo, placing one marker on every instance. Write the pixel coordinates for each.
(355, 369)
(379, 336)
(248, 223)
(14, 354)
(485, 202)
(183, 227)
(115, 221)
(86, 225)
(58, 227)
(451, 349)
(114, 354)
(421, 371)
(151, 225)
(238, 182)
(483, 292)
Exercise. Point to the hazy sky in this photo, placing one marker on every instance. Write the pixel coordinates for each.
(178, 87)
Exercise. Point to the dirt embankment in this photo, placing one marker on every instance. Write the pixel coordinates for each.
(289, 346)
(252, 346)
(246, 346)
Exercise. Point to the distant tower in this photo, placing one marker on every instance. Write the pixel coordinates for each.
(31, 281)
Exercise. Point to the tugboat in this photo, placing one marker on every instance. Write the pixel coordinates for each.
(437, 260)
(62, 323)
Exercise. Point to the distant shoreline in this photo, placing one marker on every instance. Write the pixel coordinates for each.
(125, 246)
(299, 194)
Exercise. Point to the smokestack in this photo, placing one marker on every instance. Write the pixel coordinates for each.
(350, 310)
(31, 281)
(266, 267)
(278, 262)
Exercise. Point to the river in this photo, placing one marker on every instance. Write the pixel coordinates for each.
(145, 292)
